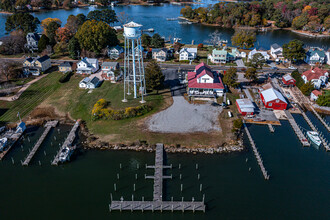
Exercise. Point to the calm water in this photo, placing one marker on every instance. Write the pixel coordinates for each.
(155, 17)
(298, 189)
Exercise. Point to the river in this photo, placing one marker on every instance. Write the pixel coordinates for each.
(155, 17)
(298, 187)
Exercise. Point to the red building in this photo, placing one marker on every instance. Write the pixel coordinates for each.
(273, 99)
(245, 106)
(288, 80)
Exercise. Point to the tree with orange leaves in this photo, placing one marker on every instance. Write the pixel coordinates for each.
(63, 34)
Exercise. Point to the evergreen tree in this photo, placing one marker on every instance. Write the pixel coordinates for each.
(154, 76)
(74, 48)
(42, 43)
(230, 77)
(307, 88)
(294, 50)
(251, 74)
(22, 21)
(258, 60)
(243, 38)
(157, 41)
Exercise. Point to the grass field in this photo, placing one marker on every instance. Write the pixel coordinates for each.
(31, 98)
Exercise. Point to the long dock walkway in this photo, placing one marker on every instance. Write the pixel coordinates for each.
(314, 128)
(326, 125)
(157, 204)
(256, 153)
(68, 141)
(49, 125)
(297, 130)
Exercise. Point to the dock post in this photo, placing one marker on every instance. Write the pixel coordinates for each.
(136, 176)
(142, 198)
(120, 166)
(194, 208)
(118, 176)
(196, 166)
(137, 166)
(181, 187)
(12, 160)
(200, 187)
(172, 208)
(132, 197)
(109, 208)
(111, 197)
(45, 153)
(203, 198)
(172, 199)
(134, 187)
(115, 187)
(180, 176)
(39, 163)
(179, 166)
(198, 176)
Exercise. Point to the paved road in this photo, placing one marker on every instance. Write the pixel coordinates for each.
(240, 63)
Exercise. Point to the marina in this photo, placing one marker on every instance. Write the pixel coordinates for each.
(49, 125)
(157, 204)
(67, 143)
(256, 153)
(326, 125)
(303, 140)
(12, 137)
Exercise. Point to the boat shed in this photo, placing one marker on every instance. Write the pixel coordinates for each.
(273, 99)
(288, 80)
(245, 106)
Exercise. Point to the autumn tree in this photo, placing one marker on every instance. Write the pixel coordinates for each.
(22, 21)
(61, 47)
(294, 50)
(300, 21)
(63, 34)
(96, 35)
(72, 24)
(154, 76)
(46, 22)
(14, 43)
(251, 74)
(243, 38)
(230, 77)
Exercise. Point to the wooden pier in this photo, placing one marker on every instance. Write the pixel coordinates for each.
(271, 128)
(326, 125)
(13, 138)
(297, 130)
(157, 204)
(68, 141)
(314, 128)
(49, 125)
(256, 153)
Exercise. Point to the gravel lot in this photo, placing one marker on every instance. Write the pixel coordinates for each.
(183, 117)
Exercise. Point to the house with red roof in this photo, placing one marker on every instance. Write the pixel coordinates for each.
(317, 76)
(204, 82)
(288, 80)
(315, 95)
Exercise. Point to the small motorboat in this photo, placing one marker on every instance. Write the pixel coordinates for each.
(314, 137)
(3, 143)
(65, 154)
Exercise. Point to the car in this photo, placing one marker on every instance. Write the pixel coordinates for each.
(292, 67)
(274, 68)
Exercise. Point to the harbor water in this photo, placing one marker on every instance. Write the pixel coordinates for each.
(155, 17)
(233, 185)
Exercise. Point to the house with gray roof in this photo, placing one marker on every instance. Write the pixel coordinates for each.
(315, 56)
(36, 65)
(89, 83)
(88, 66)
(115, 52)
(223, 56)
(276, 51)
(108, 71)
(188, 54)
(161, 54)
(32, 40)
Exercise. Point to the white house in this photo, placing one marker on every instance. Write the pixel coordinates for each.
(276, 51)
(114, 52)
(328, 57)
(317, 76)
(255, 51)
(223, 56)
(88, 83)
(32, 40)
(108, 70)
(315, 56)
(315, 95)
(188, 54)
(87, 66)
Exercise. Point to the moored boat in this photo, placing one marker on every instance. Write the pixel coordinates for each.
(3, 143)
(314, 137)
(65, 154)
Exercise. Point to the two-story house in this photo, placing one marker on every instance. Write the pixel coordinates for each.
(66, 67)
(276, 51)
(223, 56)
(88, 66)
(317, 76)
(161, 54)
(188, 54)
(315, 56)
(115, 52)
(32, 40)
(36, 65)
(90, 83)
(255, 51)
(204, 82)
(108, 70)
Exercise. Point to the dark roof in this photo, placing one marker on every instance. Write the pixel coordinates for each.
(205, 69)
(29, 59)
(262, 49)
(66, 64)
(44, 58)
(160, 49)
(35, 36)
(95, 80)
(275, 46)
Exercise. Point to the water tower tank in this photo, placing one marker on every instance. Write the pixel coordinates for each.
(132, 30)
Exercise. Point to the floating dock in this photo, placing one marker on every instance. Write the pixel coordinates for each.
(314, 128)
(326, 125)
(271, 128)
(157, 204)
(297, 130)
(256, 153)
(49, 125)
(68, 141)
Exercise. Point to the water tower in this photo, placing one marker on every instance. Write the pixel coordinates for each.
(133, 62)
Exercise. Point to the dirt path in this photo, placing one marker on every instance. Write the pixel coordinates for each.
(19, 93)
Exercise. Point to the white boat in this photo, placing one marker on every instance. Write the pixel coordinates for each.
(314, 137)
(3, 143)
(2, 129)
(65, 154)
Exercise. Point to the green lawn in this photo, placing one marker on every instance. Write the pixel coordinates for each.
(31, 98)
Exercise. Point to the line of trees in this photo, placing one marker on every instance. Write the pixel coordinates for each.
(301, 15)
(80, 36)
